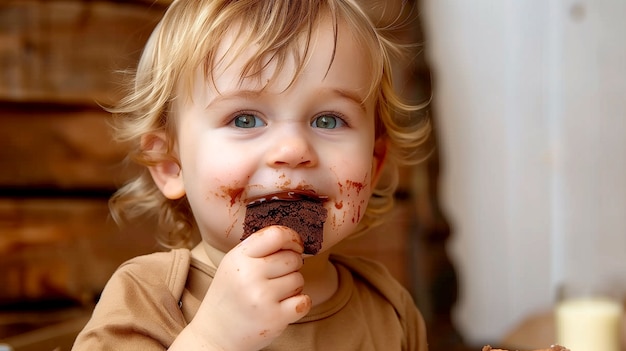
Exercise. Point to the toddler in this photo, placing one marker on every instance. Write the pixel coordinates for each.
(233, 101)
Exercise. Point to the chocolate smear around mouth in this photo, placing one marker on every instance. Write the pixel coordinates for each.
(302, 212)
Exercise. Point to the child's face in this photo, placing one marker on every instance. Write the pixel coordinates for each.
(244, 141)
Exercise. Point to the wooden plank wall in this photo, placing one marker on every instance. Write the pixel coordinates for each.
(58, 164)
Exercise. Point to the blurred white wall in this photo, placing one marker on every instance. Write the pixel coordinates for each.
(530, 106)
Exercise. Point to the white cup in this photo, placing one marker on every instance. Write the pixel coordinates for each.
(589, 319)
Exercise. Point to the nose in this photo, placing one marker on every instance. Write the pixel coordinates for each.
(292, 149)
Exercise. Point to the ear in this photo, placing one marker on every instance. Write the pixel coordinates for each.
(380, 155)
(165, 169)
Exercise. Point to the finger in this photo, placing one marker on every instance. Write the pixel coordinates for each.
(286, 286)
(274, 291)
(282, 263)
(296, 307)
(270, 240)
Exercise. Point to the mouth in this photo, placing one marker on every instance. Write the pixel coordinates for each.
(288, 195)
(301, 210)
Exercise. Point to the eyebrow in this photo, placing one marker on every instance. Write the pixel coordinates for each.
(342, 93)
(247, 94)
(350, 95)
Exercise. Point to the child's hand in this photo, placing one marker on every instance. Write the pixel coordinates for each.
(256, 292)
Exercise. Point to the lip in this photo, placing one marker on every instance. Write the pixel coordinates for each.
(288, 195)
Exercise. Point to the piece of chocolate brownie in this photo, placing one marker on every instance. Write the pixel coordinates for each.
(305, 216)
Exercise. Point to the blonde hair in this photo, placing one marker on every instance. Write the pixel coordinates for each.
(187, 38)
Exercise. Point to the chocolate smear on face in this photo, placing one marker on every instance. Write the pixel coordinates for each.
(303, 212)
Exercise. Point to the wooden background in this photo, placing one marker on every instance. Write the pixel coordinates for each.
(58, 166)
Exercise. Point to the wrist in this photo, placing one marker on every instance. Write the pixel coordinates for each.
(193, 339)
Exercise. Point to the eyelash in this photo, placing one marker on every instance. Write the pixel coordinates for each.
(237, 115)
(338, 119)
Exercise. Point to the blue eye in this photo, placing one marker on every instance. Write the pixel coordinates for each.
(327, 122)
(248, 120)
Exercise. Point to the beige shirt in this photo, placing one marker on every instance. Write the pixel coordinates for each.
(150, 299)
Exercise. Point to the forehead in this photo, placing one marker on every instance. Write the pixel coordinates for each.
(331, 53)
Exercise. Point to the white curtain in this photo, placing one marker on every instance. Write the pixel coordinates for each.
(530, 106)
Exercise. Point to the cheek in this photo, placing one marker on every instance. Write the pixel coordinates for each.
(220, 170)
(353, 192)
(353, 203)
(222, 182)
(219, 215)
(215, 182)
